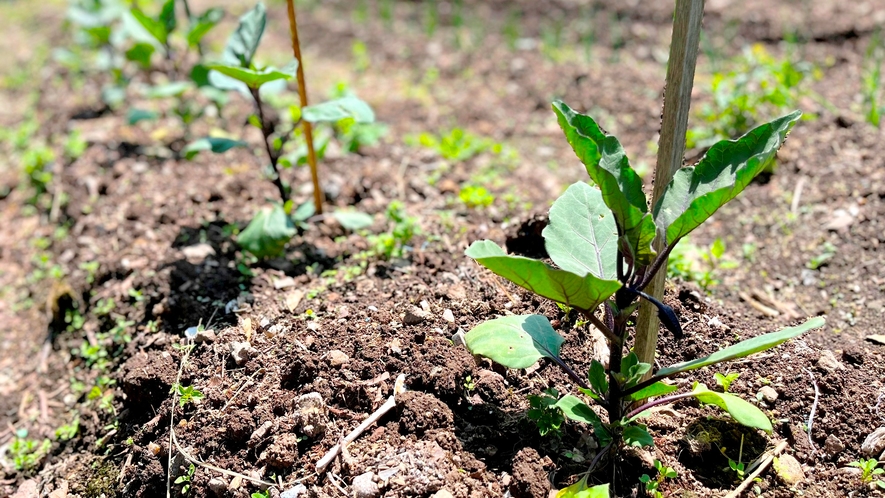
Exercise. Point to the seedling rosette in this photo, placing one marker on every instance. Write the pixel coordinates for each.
(599, 239)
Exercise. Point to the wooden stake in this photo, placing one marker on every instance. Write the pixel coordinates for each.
(671, 148)
(302, 94)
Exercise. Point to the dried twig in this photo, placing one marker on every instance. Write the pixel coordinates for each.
(763, 464)
(388, 405)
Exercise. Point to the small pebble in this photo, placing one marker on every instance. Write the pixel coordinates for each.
(768, 394)
(217, 486)
(829, 362)
(449, 317)
(207, 336)
(833, 445)
(415, 316)
(789, 469)
(874, 444)
(338, 358)
(364, 486)
(242, 352)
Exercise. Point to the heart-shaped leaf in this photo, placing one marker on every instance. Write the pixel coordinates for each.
(516, 341)
(583, 292)
(742, 411)
(267, 233)
(743, 348)
(608, 166)
(254, 78)
(338, 109)
(696, 192)
(582, 236)
(217, 145)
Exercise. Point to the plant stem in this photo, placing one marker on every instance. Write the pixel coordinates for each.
(659, 401)
(302, 93)
(671, 148)
(609, 335)
(265, 132)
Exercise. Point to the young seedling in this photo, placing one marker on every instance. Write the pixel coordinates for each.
(653, 486)
(272, 227)
(544, 412)
(600, 241)
(724, 381)
(869, 470)
(185, 479)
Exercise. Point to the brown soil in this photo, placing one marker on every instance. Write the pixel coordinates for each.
(321, 352)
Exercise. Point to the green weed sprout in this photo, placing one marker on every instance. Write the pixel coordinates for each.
(187, 394)
(758, 85)
(27, 453)
(475, 197)
(457, 145)
(725, 381)
(869, 470)
(653, 486)
(600, 239)
(544, 412)
(871, 80)
(185, 479)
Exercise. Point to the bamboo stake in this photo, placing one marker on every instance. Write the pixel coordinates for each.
(671, 148)
(302, 94)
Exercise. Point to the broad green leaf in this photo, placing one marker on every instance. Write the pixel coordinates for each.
(597, 377)
(303, 212)
(215, 144)
(155, 27)
(608, 167)
(581, 490)
(134, 115)
(696, 192)
(167, 17)
(267, 233)
(242, 44)
(338, 109)
(581, 292)
(656, 389)
(201, 25)
(141, 53)
(516, 341)
(582, 236)
(254, 78)
(743, 348)
(575, 409)
(637, 435)
(353, 220)
(742, 411)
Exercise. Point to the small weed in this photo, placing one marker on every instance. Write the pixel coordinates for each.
(653, 486)
(827, 251)
(394, 242)
(475, 197)
(694, 264)
(69, 430)
(756, 86)
(187, 394)
(185, 479)
(725, 381)
(869, 470)
(26, 454)
(457, 145)
(545, 413)
(104, 307)
(871, 80)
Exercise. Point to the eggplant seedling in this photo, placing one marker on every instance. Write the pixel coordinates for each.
(600, 239)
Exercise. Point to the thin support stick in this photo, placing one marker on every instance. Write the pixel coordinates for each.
(302, 94)
(671, 148)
